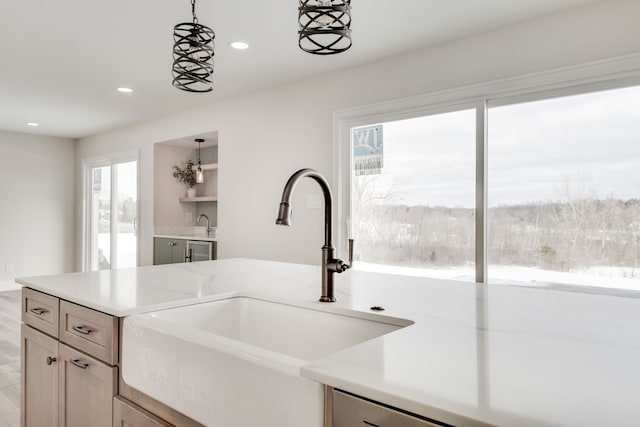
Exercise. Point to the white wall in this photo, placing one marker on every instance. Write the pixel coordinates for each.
(37, 222)
(168, 211)
(266, 136)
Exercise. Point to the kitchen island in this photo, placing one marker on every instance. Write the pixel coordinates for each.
(475, 355)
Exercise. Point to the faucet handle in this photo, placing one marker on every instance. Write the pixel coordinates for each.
(343, 266)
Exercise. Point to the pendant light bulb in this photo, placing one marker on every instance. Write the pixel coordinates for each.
(199, 174)
(199, 171)
(324, 19)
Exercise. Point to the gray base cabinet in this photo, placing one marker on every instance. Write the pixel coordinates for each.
(168, 251)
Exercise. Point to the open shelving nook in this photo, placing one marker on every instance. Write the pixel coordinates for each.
(173, 209)
(208, 167)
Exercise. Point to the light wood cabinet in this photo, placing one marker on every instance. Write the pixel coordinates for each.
(40, 311)
(127, 414)
(89, 330)
(86, 389)
(70, 372)
(61, 385)
(39, 371)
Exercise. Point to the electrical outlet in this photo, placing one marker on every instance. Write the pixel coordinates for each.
(8, 269)
(189, 217)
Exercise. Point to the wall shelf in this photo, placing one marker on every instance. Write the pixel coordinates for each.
(198, 199)
(208, 166)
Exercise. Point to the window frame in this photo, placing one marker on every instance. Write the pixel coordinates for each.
(597, 76)
(88, 165)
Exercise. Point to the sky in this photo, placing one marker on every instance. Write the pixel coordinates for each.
(539, 151)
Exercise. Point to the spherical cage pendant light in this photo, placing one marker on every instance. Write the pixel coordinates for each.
(193, 55)
(324, 26)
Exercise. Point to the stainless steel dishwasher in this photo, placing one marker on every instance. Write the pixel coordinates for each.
(352, 411)
(200, 250)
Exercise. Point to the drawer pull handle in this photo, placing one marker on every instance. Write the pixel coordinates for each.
(367, 423)
(82, 330)
(79, 364)
(38, 311)
(51, 360)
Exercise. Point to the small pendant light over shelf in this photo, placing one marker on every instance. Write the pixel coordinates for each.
(324, 26)
(193, 55)
(199, 171)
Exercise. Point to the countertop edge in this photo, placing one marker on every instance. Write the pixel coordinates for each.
(186, 237)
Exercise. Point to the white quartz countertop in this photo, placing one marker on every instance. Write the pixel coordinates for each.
(187, 237)
(476, 355)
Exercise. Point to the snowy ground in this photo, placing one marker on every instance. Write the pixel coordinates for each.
(600, 277)
(127, 246)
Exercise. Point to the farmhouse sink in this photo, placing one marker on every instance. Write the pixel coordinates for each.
(236, 362)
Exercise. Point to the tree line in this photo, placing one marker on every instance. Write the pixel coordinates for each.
(561, 236)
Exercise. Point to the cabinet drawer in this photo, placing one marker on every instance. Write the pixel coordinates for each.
(91, 331)
(86, 390)
(40, 311)
(127, 414)
(351, 411)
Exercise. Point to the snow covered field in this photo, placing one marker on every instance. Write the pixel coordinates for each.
(600, 277)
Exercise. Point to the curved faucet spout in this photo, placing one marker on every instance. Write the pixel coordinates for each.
(330, 264)
(284, 214)
(207, 218)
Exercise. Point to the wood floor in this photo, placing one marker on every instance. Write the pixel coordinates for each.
(10, 359)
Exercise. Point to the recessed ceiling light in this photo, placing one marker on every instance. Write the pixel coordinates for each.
(32, 124)
(125, 90)
(239, 45)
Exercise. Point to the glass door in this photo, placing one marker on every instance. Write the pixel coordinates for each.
(112, 212)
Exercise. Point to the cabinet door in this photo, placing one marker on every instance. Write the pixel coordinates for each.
(39, 400)
(168, 251)
(162, 250)
(86, 390)
(179, 248)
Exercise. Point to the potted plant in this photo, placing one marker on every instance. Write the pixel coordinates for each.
(188, 176)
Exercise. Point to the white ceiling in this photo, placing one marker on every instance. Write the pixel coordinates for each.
(62, 60)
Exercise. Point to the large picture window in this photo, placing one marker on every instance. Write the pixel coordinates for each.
(413, 194)
(556, 202)
(564, 190)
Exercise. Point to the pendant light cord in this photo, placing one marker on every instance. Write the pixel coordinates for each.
(193, 11)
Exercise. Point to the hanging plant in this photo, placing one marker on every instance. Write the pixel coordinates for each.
(186, 175)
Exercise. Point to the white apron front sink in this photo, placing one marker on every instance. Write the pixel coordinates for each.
(236, 362)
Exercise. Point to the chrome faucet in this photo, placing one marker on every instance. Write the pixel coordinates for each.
(330, 264)
(207, 218)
